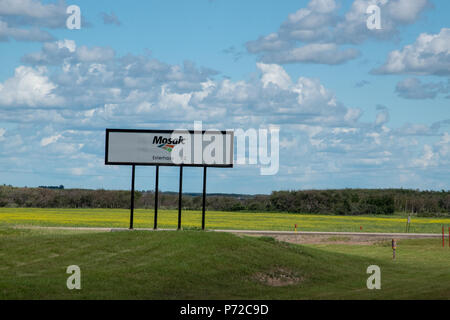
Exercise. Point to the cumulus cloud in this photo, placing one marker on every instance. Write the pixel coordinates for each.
(405, 11)
(428, 55)
(316, 33)
(321, 53)
(428, 158)
(139, 91)
(413, 88)
(416, 129)
(31, 34)
(95, 54)
(99, 87)
(443, 146)
(55, 53)
(49, 140)
(29, 87)
(34, 12)
(24, 20)
(352, 28)
(274, 74)
(382, 116)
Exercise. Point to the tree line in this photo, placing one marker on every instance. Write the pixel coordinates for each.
(340, 202)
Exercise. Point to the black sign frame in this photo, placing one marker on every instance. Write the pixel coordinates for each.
(224, 132)
(157, 165)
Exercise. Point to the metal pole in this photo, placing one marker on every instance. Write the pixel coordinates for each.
(180, 197)
(132, 197)
(155, 225)
(204, 198)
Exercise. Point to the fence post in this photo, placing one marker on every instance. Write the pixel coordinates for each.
(394, 247)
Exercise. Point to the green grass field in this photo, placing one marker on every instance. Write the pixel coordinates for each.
(205, 265)
(217, 220)
(202, 265)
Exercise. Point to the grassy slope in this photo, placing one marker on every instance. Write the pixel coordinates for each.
(217, 220)
(201, 265)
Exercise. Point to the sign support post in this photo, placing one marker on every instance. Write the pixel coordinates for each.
(204, 198)
(155, 225)
(132, 196)
(180, 197)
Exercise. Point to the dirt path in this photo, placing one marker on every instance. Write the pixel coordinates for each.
(350, 238)
(320, 239)
(360, 238)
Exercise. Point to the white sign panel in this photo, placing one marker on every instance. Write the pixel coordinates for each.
(169, 148)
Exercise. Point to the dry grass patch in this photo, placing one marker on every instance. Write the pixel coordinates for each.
(278, 277)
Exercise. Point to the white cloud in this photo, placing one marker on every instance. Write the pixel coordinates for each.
(96, 54)
(16, 17)
(428, 158)
(274, 74)
(31, 34)
(142, 92)
(322, 6)
(413, 88)
(405, 11)
(415, 129)
(68, 44)
(54, 53)
(382, 116)
(271, 42)
(315, 34)
(78, 171)
(444, 146)
(321, 53)
(31, 8)
(49, 140)
(428, 55)
(29, 87)
(312, 93)
(394, 13)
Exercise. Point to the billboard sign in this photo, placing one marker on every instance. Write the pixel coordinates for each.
(169, 148)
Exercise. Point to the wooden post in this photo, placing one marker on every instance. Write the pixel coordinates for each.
(443, 237)
(394, 247)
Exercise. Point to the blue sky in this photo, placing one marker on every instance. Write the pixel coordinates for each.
(356, 108)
